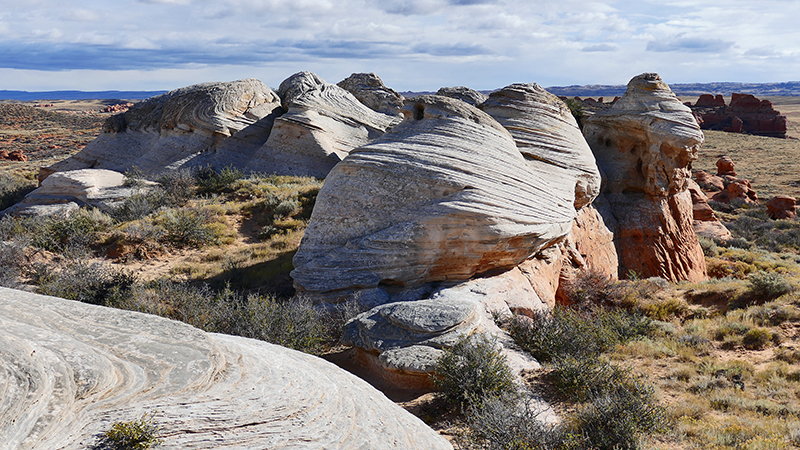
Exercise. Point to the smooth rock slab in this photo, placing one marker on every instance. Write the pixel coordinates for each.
(69, 370)
(64, 192)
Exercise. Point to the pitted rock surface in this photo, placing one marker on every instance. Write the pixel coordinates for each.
(69, 370)
(644, 145)
(444, 196)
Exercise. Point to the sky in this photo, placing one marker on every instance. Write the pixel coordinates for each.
(413, 45)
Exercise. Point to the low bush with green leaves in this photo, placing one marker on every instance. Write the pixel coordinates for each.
(472, 371)
(14, 188)
(567, 331)
(293, 323)
(140, 434)
(765, 286)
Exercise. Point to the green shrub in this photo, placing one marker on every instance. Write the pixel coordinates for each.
(179, 186)
(573, 332)
(188, 227)
(79, 279)
(286, 208)
(472, 371)
(576, 108)
(766, 286)
(291, 323)
(13, 189)
(213, 181)
(139, 434)
(709, 246)
(58, 232)
(12, 260)
(590, 288)
(509, 423)
(583, 378)
(620, 417)
(757, 338)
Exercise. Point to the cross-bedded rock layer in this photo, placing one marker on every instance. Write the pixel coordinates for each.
(69, 370)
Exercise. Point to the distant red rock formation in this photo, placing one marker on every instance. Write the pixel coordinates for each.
(118, 108)
(745, 114)
(15, 155)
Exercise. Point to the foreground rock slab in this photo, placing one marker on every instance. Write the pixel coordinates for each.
(69, 370)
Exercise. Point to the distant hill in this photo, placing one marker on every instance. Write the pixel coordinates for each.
(788, 89)
(25, 96)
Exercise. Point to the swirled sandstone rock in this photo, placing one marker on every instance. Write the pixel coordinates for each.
(548, 136)
(322, 124)
(443, 196)
(369, 89)
(644, 145)
(69, 370)
(217, 124)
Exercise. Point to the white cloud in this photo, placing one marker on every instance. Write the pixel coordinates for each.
(483, 43)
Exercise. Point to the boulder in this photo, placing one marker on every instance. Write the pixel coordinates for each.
(14, 155)
(725, 166)
(547, 134)
(322, 124)
(782, 207)
(70, 370)
(444, 196)
(709, 182)
(64, 192)
(736, 188)
(705, 222)
(400, 342)
(369, 89)
(216, 124)
(644, 145)
(464, 94)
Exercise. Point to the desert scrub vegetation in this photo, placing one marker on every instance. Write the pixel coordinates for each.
(14, 188)
(472, 371)
(139, 434)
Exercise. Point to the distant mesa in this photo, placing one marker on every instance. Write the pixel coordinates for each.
(745, 114)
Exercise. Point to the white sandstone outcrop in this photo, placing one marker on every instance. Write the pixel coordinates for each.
(548, 136)
(644, 145)
(217, 124)
(369, 89)
(64, 192)
(69, 370)
(322, 124)
(443, 196)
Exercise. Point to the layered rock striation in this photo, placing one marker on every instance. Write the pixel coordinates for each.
(322, 124)
(304, 129)
(215, 124)
(69, 370)
(644, 145)
(444, 196)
